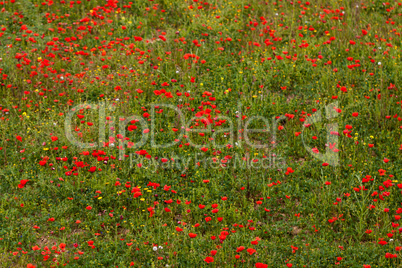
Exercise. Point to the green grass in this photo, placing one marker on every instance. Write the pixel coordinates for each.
(293, 70)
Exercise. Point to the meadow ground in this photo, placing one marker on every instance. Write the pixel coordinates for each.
(200, 133)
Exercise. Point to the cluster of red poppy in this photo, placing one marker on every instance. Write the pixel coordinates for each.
(98, 52)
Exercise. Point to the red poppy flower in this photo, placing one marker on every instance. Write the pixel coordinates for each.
(209, 259)
(22, 183)
(92, 169)
(251, 251)
(191, 235)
